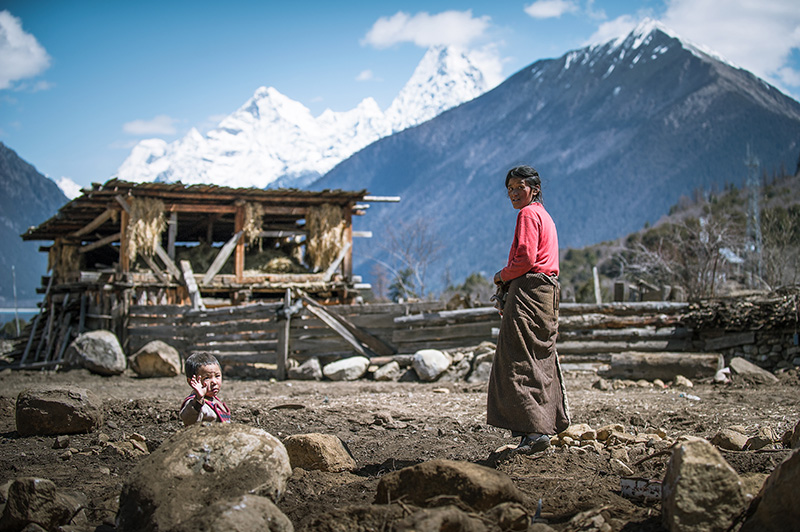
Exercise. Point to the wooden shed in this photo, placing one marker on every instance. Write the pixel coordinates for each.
(121, 244)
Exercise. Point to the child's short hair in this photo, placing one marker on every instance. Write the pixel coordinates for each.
(197, 360)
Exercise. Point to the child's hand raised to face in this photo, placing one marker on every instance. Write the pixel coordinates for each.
(200, 389)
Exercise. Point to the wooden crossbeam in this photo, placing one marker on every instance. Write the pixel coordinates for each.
(221, 258)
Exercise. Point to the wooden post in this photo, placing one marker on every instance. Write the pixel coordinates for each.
(598, 297)
(347, 264)
(283, 337)
(124, 260)
(172, 233)
(238, 266)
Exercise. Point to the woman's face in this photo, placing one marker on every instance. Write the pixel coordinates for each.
(520, 193)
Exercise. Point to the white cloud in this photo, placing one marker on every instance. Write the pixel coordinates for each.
(550, 8)
(449, 28)
(612, 29)
(759, 36)
(160, 125)
(365, 75)
(21, 55)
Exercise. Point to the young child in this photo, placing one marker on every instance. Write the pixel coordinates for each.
(204, 375)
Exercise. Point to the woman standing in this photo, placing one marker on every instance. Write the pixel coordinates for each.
(526, 388)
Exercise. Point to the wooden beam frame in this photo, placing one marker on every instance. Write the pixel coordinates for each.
(222, 256)
(94, 224)
(100, 243)
(238, 264)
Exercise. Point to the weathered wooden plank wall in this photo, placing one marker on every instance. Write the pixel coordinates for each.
(250, 334)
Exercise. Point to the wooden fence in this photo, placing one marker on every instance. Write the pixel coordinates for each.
(252, 334)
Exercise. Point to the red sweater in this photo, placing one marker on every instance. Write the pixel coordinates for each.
(535, 246)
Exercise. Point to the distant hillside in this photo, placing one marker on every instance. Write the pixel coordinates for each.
(619, 132)
(707, 243)
(26, 198)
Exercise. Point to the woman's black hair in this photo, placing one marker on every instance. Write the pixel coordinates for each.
(529, 176)
(198, 360)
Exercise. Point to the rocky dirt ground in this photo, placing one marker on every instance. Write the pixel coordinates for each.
(391, 425)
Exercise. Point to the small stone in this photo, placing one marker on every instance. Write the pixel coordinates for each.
(730, 440)
(61, 442)
(605, 431)
(682, 382)
(575, 431)
(602, 384)
(765, 437)
(138, 437)
(66, 455)
(643, 383)
(441, 390)
(658, 383)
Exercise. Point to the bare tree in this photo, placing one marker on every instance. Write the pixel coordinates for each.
(409, 249)
(697, 253)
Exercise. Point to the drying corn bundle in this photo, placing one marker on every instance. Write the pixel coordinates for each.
(325, 226)
(253, 220)
(147, 223)
(63, 258)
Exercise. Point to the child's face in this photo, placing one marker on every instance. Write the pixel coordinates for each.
(211, 377)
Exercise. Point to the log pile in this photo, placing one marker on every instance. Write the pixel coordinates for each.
(779, 309)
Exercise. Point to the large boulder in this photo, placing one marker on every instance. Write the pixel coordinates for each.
(777, 507)
(197, 467)
(37, 501)
(478, 486)
(323, 452)
(310, 370)
(97, 351)
(45, 412)
(430, 363)
(156, 359)
(242, 514)
(347, 369)
(700, 491)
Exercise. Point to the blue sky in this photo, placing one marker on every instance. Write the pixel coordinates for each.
(82, 81)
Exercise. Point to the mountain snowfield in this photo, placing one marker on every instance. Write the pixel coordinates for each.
(274, 141)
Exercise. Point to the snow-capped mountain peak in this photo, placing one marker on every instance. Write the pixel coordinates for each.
(273, 140)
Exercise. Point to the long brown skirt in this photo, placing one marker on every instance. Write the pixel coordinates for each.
(526, 388)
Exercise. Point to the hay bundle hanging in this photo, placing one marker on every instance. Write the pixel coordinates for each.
(63, 258)
(253, 221)
(147, 223)
(325, 226)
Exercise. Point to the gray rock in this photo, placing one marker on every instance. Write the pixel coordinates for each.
(457, 371)
(322, 452)
(36, 500)
(310, 370)
(700, 491)
(347, 369)
(750, 372)
(794, 439)
(729, 440)
(47, 412)
(778, 506)
(477, 486)
(480, 372)
(156, 359)
(198, 466)
(430, 363)
(388, 372)
(97, 351)
(242, 514)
